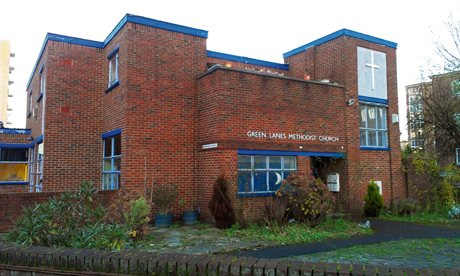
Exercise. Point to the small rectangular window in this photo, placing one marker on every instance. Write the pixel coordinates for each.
(263, 174)
(113, 68)
(111, 163)
(39, 180)
(14, 165)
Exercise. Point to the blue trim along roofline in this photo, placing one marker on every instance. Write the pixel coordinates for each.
(372, 100)
(374, 148)
(15, 183)
(290, 153)
(113, 52)
(127, 18)
(14, 131)
(339, 34)
(16, 146)
(66, 39)
(248, 60)
(39, 139)
(111, 133)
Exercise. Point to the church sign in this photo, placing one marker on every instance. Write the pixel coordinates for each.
(292, 136)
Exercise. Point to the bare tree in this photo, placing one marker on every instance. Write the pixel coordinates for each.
(438, 101)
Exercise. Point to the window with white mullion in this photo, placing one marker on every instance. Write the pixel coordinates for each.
(372, 125)
(263, 174)
(111, 163)
(31, 170)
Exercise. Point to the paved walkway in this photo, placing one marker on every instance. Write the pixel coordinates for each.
(384, 231)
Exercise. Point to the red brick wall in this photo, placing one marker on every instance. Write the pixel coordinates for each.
(233, 102)
(11, 204)
(336, 60)
(72, 143)
(161, 108)
(243, 102)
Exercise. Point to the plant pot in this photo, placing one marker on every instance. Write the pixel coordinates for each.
(163, 220)
(190, 217)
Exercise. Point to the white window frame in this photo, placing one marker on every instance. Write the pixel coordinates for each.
(377, 128)
(31, 169)
(284, 172)
(111, 178)
(38, 186)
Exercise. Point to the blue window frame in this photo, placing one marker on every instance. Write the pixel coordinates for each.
(373, 125)
(113, 67)
(262, 175)
(111, 163)
(14, 165)
(42, 83)
(30, 103)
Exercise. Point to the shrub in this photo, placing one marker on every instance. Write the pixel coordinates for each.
(220, 204)
(70, 221)
(163, 196)
(403, 207)
(439, 178)
(132, 211)
(374, 200)
(309, 200)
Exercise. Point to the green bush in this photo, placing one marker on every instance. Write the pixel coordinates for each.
(374, 200)
(309, 200)
(132, 211)
(73, 220)
(404, 207)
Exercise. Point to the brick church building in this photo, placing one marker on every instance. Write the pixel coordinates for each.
(151, 102)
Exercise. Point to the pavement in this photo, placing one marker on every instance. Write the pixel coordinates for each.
(384, 232)
(205, 238)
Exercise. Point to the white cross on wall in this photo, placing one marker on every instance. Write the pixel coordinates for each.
(372, 66)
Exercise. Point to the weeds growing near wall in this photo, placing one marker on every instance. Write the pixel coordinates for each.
(74, 220)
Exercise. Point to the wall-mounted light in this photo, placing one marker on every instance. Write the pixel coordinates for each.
(351, 101)
(300, 147)
(30, 138)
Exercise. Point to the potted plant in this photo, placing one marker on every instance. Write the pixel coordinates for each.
(163, 196)
(190, 215)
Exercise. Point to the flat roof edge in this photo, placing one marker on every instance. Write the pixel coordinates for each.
(337, 34)
(215, 68)
(247, 60)
(127, 18)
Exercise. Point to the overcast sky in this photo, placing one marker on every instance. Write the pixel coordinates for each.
(256, 29)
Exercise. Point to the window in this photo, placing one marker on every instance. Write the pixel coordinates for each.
(263, 174)
(39, 173)
(31, 103)
(372, 125)
(13, 164)
(31, 169)
(113, 67)
(111, 163)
